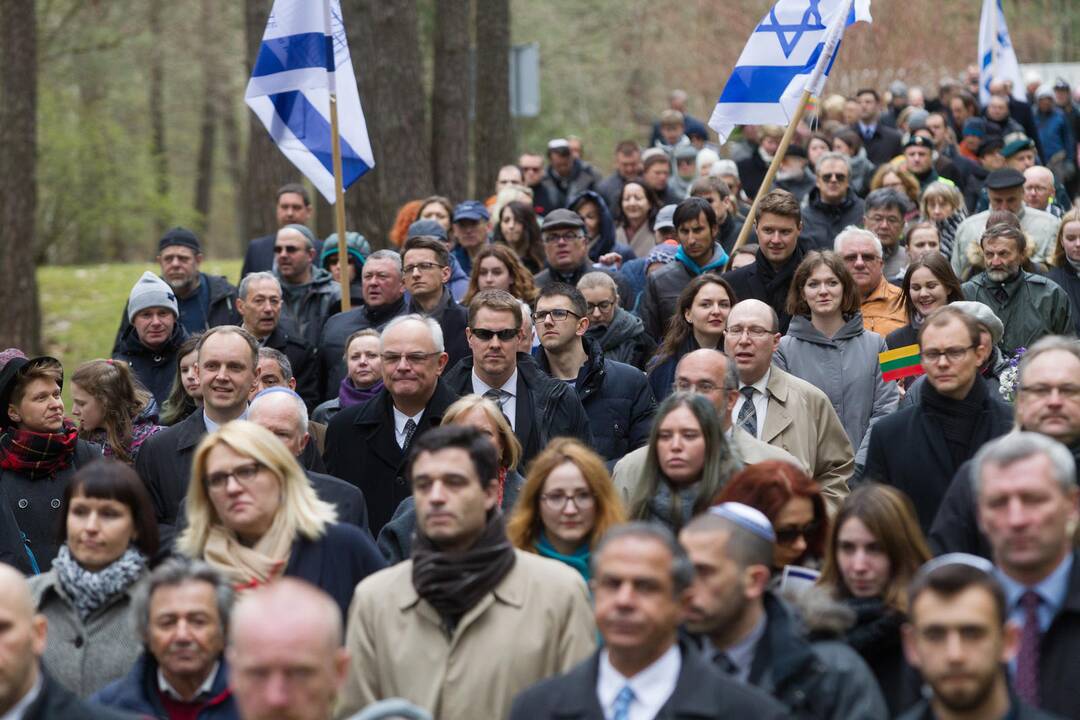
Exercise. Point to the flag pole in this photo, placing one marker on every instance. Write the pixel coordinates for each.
(814, 84)
(339, 207)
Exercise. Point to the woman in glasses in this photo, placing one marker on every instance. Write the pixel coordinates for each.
(254, 517)
(874, 549)
(827, 345)
(688, 461)
(793, 503)
(566, 506)
(699, 321)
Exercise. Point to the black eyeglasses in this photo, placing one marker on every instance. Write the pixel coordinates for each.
(787, 536)
(242, 473)
(602, 306)
(505, 335)
(953, 353)
(558, 315)
(422, 267)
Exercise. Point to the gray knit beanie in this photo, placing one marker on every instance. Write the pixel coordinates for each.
(151, 291)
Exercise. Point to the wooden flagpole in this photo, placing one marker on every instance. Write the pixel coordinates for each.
(339, 206)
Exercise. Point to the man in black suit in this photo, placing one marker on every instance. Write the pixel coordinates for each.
(366, 444)
(538, 407)
(227, 358)
(293, 206)
(282, 412)
(640, 581)
(882, 143)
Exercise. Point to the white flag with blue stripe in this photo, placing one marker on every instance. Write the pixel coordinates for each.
(791, 49)
(304, 57)
(997, 57)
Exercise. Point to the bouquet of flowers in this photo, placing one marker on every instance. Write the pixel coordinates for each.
(1010, 377)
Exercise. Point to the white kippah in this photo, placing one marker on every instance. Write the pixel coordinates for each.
(747, 517)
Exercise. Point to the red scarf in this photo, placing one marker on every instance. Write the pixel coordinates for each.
(38, 455)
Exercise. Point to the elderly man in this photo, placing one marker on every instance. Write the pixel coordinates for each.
(259, 304)
(1025, 489)
(384, 292)
(151, 343)
(567, 251)
(227, 358)
(782, 410)
(710, 373)
(1005, 188)
(285, 652)
(181, 613)
(435, 629)
(1030, 306)
(366, 444)
(620, 334)
(1048, 403)
(202, 300)
(1039, 190)
(26, 691)
(954, 416)
(645, 669)
(832, 205)
(882, 308)
(750, 633)
(292, 205)
(427, 275)
(281, 411)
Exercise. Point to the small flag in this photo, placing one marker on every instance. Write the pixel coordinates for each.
(997, 57)
(900, 363)
(304, 57)
(792, 49)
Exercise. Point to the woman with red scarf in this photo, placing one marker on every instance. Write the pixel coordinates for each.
(40, 451)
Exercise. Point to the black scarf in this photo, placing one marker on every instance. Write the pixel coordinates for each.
(453, 582)
(381, 314)
(876, 629)
(778, 280)
(958, 418)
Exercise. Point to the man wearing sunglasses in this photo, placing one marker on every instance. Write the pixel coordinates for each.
(537, 407)
(308, 291)
(831, 205)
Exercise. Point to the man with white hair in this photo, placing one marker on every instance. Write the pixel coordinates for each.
(1039, 190)
(861, 252)
(367, 444)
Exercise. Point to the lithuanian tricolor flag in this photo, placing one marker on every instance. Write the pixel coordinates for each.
(900, 363)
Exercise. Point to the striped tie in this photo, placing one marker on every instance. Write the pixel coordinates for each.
(748, 413)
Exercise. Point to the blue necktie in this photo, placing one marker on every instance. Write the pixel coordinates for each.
(622, 703)
(747, 419)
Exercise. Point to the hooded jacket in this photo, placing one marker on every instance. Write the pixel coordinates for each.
(845, 367)
(663, 287)
(617, 399)
(624, 340)
(155, 369)
(560, 190)
(308, 305)
(605, 242)
(823, 221)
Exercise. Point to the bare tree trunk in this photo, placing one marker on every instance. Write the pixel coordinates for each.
(20, 321)
(494, 140)
(267, 168)
(156, 107)
(204, 164)
(450, 100)
(234, 168)
(383, 38)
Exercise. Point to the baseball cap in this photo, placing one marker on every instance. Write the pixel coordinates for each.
(471, 210)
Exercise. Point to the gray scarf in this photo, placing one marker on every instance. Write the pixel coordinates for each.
(90, 590)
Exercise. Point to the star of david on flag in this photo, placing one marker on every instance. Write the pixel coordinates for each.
(780, 59)
(304, 57)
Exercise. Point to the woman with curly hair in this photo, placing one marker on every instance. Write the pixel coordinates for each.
(498, 267)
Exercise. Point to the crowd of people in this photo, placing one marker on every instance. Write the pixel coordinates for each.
(662, 443)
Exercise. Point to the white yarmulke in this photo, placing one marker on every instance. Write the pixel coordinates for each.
(151, 291)
(748, 517)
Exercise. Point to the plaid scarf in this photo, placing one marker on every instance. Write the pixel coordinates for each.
(38, 455)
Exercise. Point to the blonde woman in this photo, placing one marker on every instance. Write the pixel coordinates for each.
(253, 516)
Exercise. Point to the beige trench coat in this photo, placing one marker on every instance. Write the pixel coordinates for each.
(536, 623)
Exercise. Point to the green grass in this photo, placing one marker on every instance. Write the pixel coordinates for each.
(81, 306)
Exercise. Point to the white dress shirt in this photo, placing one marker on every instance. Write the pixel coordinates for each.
(652, 686)
(208, 684)
(509, 398)
(400, 419)
(18, 710)
(761, 401)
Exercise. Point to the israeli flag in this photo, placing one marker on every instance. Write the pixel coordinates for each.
(792, 48)
(303, 58)
(997, 58)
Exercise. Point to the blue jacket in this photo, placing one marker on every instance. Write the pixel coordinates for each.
(1054, 135)
(137, 692)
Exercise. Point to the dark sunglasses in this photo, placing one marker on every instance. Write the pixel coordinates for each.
(505, 335)
(833, 177)
(787, 536)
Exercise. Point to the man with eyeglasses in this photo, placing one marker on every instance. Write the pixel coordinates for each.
(832, 205)
(1030, 306)
(882, 308)
(1048, 403)
(384, 300)
(259, 304)
(427, 275)
(620, 334)
(919, 448)
(616, 397)
(567, 251)
(752, 636)
(537, 406)
(367, 444)
(884, 213)
(782, 410)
